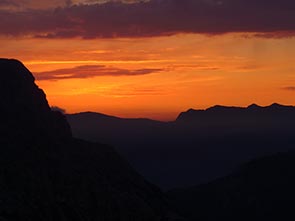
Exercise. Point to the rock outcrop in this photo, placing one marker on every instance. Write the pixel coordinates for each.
(45, 174)
(25, 112)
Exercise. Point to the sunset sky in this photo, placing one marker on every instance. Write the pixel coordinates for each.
(154, 58)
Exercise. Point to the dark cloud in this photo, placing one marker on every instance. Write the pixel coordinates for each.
(105, 1)
(90, 71)
(8, 3)
(5, 2)
(58, 109)
(290, 88)
(265, 18)
(21, 5)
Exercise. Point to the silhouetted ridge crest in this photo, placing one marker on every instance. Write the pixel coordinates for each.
(24, 110)
(18, 88)
(254, 107)
(231, 112)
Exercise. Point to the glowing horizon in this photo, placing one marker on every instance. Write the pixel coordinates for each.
(154, 67)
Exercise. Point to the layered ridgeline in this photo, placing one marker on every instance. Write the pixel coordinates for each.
(199, 146)
(46, 174)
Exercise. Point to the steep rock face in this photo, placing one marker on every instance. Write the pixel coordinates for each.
(24, 110)
(47, 175)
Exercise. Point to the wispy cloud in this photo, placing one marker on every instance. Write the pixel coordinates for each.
(97, 62)
(133, 92)
(90, 71)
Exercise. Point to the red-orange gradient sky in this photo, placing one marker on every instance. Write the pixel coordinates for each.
(154, 58)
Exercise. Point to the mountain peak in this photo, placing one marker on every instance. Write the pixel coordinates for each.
(277, 105)
(253, 106)
(18, 88)
(24, 110)
(221, 108)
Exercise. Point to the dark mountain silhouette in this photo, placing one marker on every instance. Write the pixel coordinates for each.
(95, 126)
(260, 190)
(46, 174)
(199, 146)
(253, 118)
(25, 113)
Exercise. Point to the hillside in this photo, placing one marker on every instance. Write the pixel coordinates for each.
(48, 175)
(262, 189)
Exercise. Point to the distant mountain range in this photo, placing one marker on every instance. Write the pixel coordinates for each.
(199, 146)
(47, 175)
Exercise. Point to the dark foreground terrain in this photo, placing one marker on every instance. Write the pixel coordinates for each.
(260, 190)
(45, 174)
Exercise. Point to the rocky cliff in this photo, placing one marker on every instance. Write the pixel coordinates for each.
(45, 174)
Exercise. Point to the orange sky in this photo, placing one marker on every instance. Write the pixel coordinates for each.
(195, 71)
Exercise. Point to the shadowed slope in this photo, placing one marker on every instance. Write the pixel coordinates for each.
(260, 190)
(47, 175)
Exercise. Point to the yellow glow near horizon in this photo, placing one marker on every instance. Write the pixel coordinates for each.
(197, 72)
